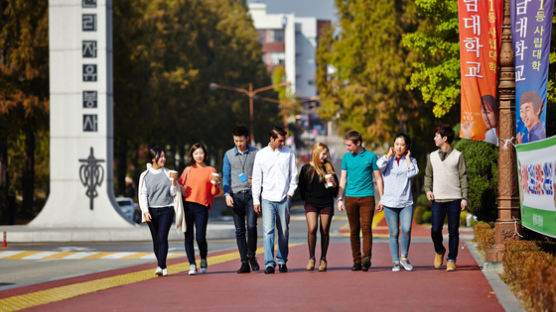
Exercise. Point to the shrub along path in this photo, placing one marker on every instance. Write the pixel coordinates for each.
(338, 289)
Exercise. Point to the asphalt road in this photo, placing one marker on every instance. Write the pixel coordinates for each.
(22, 272)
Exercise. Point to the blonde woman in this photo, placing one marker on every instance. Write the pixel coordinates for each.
(318, 185)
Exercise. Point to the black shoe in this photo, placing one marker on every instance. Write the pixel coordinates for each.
(244, 268)
(282, 268)
(269, 270)
(254, 264)
(366, 264)
(356, 267)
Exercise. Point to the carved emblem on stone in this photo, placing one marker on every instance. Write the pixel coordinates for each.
(91, 174)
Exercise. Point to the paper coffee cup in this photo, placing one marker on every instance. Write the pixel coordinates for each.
(215, 176)
(172, 172)
(329, 180)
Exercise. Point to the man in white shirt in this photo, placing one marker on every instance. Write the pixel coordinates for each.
(275, 172)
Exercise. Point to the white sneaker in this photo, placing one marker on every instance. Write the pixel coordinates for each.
(396, 267)
(406, 265)
(192, 269)
(204, 265)
(164, 272)
(158, 271)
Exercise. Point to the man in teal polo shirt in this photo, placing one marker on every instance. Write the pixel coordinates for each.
(358, 169)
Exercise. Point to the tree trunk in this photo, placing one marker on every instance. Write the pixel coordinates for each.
(28, 181)
(183, 158)
(136, 167)
(122, 165)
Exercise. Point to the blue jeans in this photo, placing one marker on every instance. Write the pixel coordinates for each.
(396, 218)
(195, 214)
(276, 214)
(160, 227)
(242, 211)
(439, 211)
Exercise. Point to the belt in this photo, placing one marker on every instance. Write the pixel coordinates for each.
(243, 192)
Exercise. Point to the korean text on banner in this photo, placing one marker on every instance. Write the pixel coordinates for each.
(480, 26)
(531, 28)
(537, 181)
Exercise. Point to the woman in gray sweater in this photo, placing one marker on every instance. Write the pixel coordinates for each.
(157, 188)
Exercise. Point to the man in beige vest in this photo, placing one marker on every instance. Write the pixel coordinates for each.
(446, 186)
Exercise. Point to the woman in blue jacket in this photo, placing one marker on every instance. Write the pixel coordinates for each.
(398, 168)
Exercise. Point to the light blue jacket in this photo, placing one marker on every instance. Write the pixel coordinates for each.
(397, 181)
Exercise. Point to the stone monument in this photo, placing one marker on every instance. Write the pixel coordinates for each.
(81, 117)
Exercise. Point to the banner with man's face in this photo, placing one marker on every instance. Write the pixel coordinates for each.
(531, 24)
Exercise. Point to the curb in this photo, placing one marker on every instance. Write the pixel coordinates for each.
(492, 271)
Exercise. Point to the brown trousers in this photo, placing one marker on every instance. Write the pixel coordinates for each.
(360, 212)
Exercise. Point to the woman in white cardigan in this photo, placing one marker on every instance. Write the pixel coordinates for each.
(157, 190)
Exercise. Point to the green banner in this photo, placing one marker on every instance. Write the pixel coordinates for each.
(536, 165)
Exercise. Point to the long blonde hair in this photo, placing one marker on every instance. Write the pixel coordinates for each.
(316, 164)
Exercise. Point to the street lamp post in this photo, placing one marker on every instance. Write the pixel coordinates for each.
(250, 93)
(300, 101)
(508, 196)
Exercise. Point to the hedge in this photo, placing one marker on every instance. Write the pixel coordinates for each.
(531, 273)
(483, 235)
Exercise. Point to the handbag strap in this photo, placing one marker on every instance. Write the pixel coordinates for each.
(186, 174)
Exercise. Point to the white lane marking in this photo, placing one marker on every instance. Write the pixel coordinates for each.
(4, 254)
(79, 255)
(118, 255)
(39, 255)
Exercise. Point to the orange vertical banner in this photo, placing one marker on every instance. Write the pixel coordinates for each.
(480, 27)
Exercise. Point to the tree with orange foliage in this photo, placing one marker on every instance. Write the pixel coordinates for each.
(23, 88)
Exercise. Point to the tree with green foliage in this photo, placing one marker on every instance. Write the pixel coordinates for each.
(482, 172)
(289, 105)
(436, 47)
(167, 52)
(363, 69)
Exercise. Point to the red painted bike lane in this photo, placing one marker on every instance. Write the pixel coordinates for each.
(338, 289)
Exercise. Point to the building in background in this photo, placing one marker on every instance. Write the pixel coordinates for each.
(291, 42)
(307, 34)
(277, 36)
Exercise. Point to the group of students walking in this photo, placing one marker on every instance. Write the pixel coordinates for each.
(262, 182)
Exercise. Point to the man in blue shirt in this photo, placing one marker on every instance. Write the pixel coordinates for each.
(237, 170)
(358, 169)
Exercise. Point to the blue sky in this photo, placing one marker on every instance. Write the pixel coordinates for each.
(322, 9)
